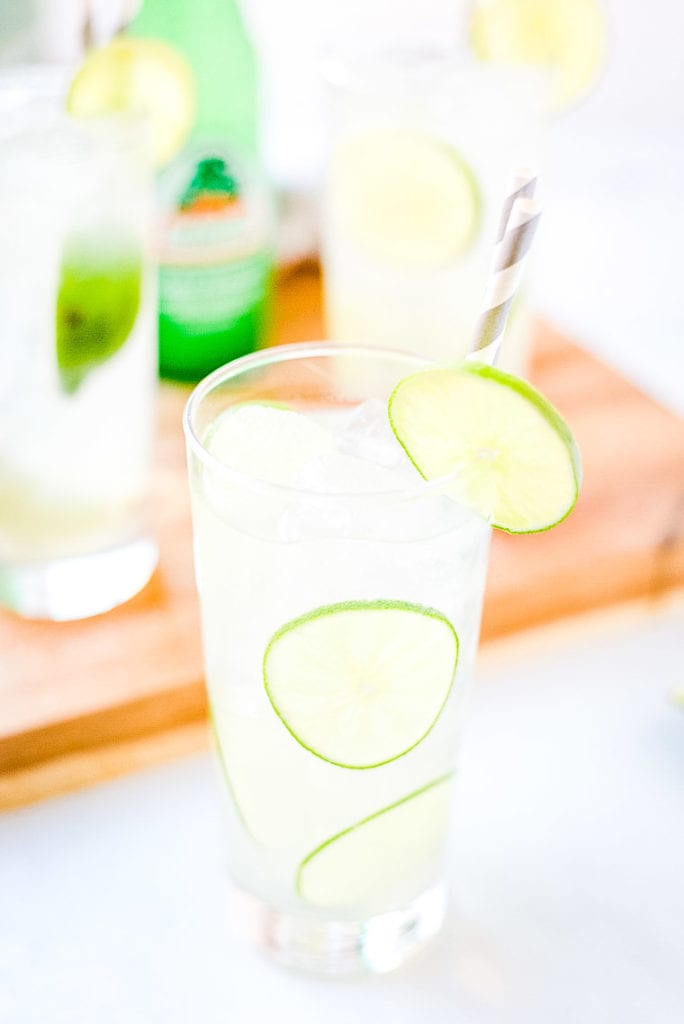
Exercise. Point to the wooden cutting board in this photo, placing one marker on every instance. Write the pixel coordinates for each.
(82, 701)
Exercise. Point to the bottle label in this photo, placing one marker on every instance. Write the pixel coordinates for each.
(215, 255)
(211, 296)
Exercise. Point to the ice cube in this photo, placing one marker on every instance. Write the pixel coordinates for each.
(339, 480)
(336, 473)
(367, 434)
(267, 443)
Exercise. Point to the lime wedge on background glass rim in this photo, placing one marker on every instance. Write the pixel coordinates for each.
(139, 76)
(407, 198)
(513, 458)
(361, 683)
(98, 298)
(376, 859)
(568, 37)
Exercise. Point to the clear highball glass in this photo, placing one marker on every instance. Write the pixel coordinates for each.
(339, 865)
(77, 354)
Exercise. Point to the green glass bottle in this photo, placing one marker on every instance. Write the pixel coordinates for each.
(216, 230)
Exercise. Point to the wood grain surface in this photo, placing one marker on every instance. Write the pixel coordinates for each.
(83, 701)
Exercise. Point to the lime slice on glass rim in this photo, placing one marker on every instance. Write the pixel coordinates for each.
(513, 458)
(566, 36)
(361, 683)
(357, 866)
(406, 198)
(139, 76)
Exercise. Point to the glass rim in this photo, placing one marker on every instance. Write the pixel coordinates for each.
(375, 70)
(346, 65)
(338, 63)
(286, 353)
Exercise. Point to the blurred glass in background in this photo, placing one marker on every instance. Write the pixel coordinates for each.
(190, 66)
(423, 142)
(77, 335)
(606, 263)
(614, 159)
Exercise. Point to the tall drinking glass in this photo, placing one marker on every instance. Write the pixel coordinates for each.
(77, 355)
(341, 598)
(422, 145)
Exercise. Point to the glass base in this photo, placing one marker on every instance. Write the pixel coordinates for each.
(76, 588)
(378, 944)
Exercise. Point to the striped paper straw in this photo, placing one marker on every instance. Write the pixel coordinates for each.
(507, 268)
(521, 185)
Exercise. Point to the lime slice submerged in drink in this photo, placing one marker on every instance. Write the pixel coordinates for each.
(406, 198)
(361, 683)
(510, 455)
(98, 298)
(374, 862)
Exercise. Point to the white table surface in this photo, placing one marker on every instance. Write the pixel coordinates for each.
(567, 868)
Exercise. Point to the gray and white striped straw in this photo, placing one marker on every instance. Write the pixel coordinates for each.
(521, 185)
(506, 271)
